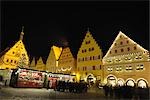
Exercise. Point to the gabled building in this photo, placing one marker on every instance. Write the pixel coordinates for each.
(52, 60)
(40, 65)
(32, 65)
(89, 60)
(14, 56)
(126, 63)
(66, 62)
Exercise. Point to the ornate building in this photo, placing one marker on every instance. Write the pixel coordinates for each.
(52, 60)
(89, 60)
(126, 62)
(40, 65)
(66, 62)
(14, 56)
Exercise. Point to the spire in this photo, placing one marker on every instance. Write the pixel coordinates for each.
(88, 30)
(22, 33)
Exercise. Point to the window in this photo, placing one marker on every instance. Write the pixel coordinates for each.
(128, 49)
(93, 58)
(127, 41)
(98, 56)
(121, 43)
(90, 58)
(87, 42)
(85, 68)
(7, 60)
(93, 67)
(92, 48)
(115, 51)
(100, 67)
(11, 61)
(82, 51)
(83, 59)
(121, 50)
(15, 61)
(134, 48)
(120, 36)
(85, 50)
(115, 44)
(89, 49)
(13, 52)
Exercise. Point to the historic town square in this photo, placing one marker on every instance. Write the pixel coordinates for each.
(93, 50)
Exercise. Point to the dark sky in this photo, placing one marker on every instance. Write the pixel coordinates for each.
(55, 23)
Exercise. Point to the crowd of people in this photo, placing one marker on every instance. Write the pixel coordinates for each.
(73, 87)
(126, 92)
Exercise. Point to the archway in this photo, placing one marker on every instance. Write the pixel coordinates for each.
(142, 83)
(120, 82)
(111, 80)
(130, 82)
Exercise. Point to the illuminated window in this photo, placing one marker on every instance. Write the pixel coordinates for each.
(121, 50)
(93, 67)
(115, 51)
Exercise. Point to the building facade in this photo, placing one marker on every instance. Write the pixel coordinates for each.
(66, 62)
(126, 63)
(89, 60)
(15, 56)
(52, 60)
(40, 65)
(32, 64)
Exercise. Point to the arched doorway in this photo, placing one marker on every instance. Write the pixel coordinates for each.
(142, 83)
(120, 82)
(111, 80)
(130, 82)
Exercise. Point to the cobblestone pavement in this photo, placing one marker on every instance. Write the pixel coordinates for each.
(8, 93)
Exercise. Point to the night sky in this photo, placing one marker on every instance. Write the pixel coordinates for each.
(65, 23)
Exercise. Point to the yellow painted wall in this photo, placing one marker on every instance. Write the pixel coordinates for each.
(11, 58)
(52, 63)
(66, 62)
(40, 65)
(89, 53)
(134, 57)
